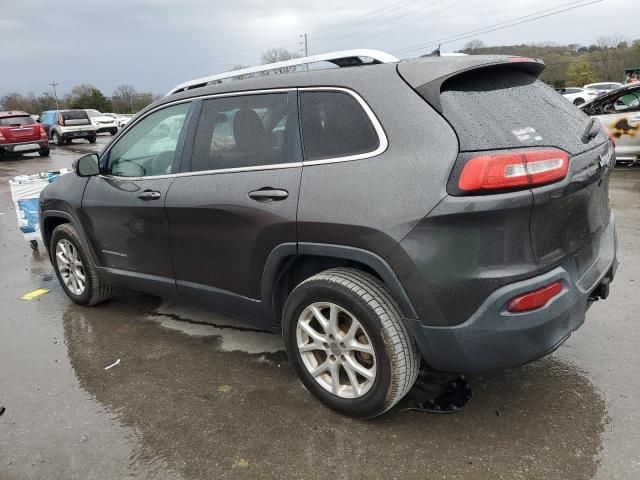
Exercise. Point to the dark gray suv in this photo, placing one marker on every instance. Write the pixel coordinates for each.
(449, 210)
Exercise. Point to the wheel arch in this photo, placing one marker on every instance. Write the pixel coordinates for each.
(51, 219)
(289, 264)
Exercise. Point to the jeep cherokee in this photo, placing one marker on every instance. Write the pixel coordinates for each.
(449, 210)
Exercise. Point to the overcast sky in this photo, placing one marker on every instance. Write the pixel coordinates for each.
(155, 44)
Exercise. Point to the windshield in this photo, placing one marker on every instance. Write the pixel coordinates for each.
(10, 121)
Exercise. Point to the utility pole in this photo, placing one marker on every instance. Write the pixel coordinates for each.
(305, 46)
(54, 85)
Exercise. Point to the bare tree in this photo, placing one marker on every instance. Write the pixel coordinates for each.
(610, 56)
(474, 44)
(123, 98)
(274, 55)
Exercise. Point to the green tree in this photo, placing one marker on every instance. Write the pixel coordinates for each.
(580, 73)
(88, 96)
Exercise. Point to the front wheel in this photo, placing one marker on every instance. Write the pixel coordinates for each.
(578, 101)
(75, 271)
(113, 131)
(345, 337)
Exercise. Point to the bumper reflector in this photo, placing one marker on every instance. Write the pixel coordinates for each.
(534, 299)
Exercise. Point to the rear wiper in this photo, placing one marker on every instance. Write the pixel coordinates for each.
(592, 130)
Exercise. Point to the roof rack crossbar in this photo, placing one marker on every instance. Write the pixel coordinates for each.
(342, 58)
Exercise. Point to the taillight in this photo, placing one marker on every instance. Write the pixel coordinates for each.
(500, 171)
(43, 133)
(60, 120)
(535, 299)
(2, 139)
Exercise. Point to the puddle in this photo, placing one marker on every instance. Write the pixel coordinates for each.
(205, 408)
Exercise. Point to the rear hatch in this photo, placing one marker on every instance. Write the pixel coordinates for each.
(19, 128)
(74, 118)
(499, 107)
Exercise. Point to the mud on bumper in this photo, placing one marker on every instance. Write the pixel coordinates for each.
(494, 339)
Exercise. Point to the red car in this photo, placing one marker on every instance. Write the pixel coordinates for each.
(19, 133)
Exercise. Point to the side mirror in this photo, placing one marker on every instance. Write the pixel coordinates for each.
(87, 166)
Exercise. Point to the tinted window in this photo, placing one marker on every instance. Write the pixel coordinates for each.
(334, 125)
(149, 147)
(245, 131)
(496, 109)
(24, 120)
(74, 115)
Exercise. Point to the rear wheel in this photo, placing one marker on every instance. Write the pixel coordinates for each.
(75, 271)
(113, 131)
(578, 101)
(44, 152)
(57, 139)
(346, 339)
(92, 139)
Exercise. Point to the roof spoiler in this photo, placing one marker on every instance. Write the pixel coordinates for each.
(427, 76)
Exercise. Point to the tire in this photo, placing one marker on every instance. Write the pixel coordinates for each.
(361, 297)
(57, 139)
(92, 139)
(95, 290)
(44, 152)
(113, 131)
(578, 101)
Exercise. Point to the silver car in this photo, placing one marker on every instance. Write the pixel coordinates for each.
(619, 112)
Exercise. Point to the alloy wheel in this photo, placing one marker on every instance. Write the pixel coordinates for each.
(70, 267)
(336, 350)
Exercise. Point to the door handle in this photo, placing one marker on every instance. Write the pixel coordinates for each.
(149, 195)
(268, 194)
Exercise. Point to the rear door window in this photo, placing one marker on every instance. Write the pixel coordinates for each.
(16, 121)
(335, 125)
(501, 109)
(246, 131)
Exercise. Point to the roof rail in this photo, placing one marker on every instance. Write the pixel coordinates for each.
(344, 58)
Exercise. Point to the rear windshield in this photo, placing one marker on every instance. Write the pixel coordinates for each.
(498, 109)
(74, 115)
(23, 120)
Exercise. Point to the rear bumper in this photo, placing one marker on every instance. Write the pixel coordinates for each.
(494, 339)
(106, 128)
(78, 134)
(36, 146)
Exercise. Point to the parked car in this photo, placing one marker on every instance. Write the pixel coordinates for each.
(603, 87)
(446, 209)
(20, 133)
(619, 112)
(103, 122)
(62, 126)
(577, 95)
(124, 118)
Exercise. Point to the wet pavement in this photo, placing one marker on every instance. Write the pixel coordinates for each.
(198, 395)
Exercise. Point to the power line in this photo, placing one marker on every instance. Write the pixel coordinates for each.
(393, 27)
(500, 26)
(383, 22)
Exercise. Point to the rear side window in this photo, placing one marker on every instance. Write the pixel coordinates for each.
(496, 109)
(335, 125)
(246, 131)
(11, 121)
